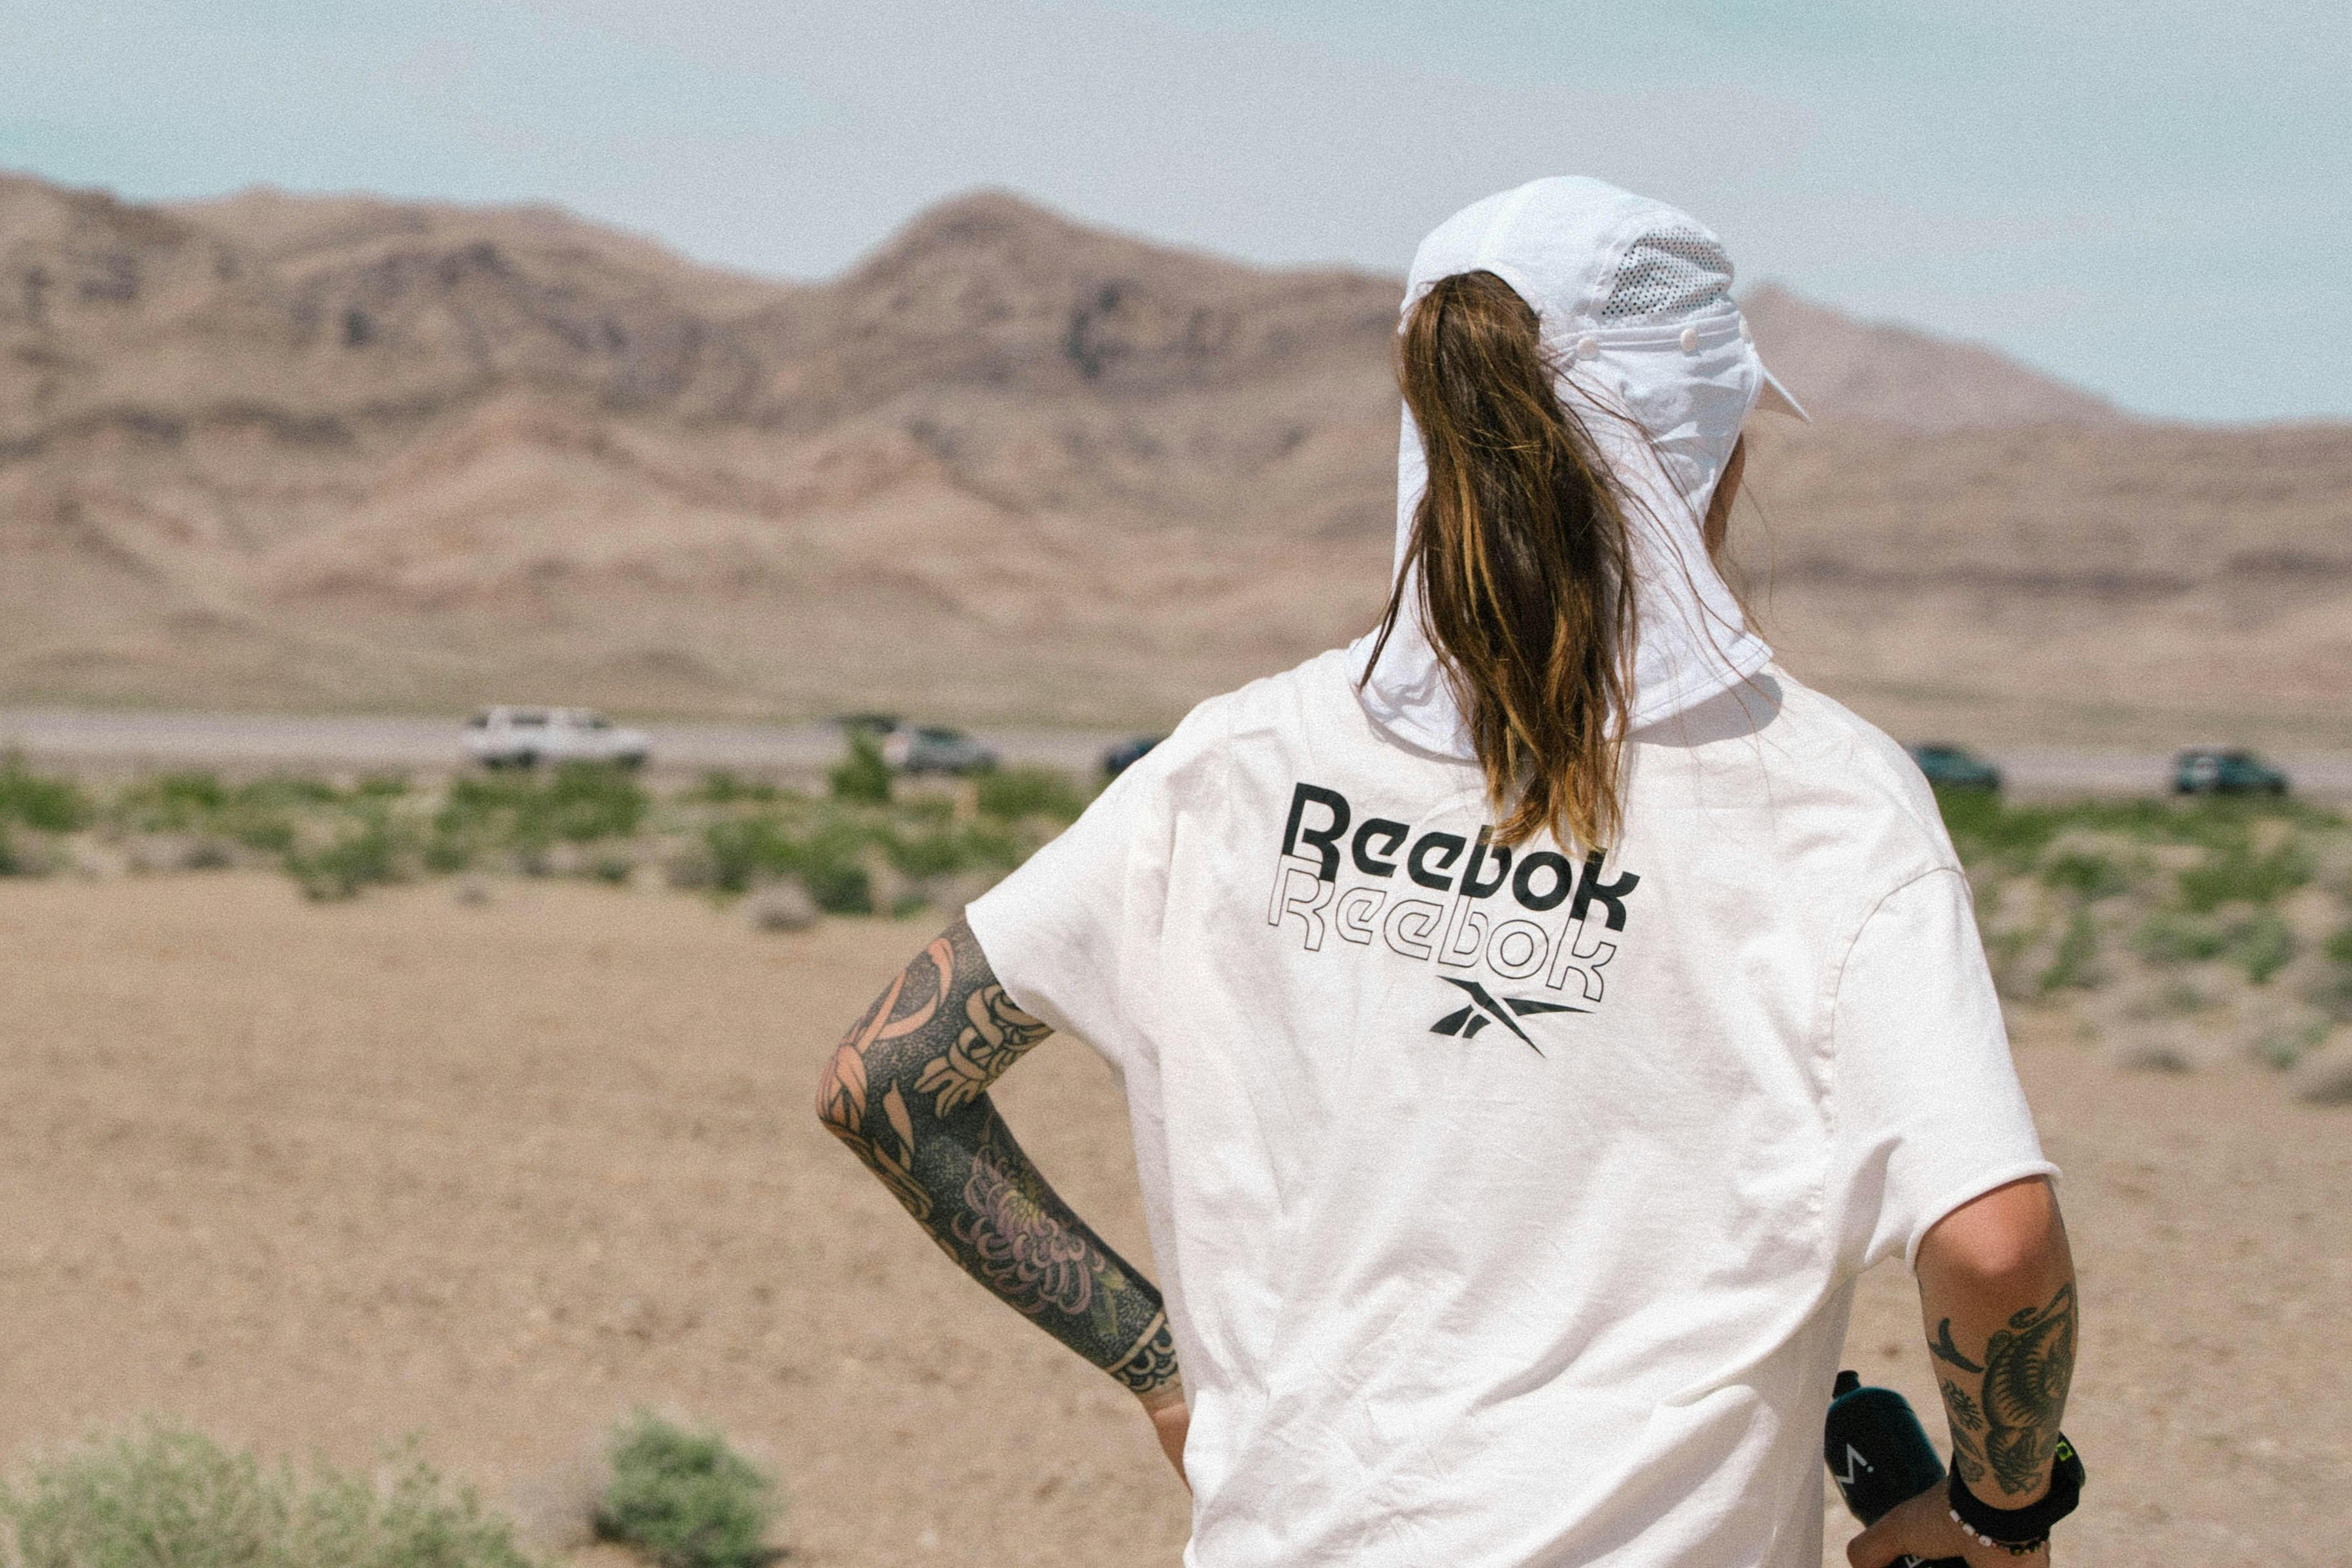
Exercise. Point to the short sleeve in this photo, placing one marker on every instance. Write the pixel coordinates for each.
(1928, 1110)
(1061, 931)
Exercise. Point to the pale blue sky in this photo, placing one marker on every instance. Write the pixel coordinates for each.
(2153, 199)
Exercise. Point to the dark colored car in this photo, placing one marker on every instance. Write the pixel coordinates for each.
(933, 749)
(1956, 767)
(2217, 769)
(1127, 753)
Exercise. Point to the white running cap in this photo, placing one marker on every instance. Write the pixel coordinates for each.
(1633, 300)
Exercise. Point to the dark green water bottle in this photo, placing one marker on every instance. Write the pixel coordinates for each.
(1879, 1455)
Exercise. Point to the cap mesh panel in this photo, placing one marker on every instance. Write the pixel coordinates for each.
(1668, 272)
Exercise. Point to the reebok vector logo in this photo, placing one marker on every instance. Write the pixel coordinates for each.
(1504, 919)
(1485, 1007)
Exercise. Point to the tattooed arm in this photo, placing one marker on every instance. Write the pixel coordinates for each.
(907, 1090)
(1997, 1291)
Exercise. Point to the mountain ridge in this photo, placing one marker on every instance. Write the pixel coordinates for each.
(274, 450)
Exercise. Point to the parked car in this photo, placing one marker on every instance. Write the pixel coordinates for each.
(1127, 753)
(525, 737)
(2220, 770)
(1955, 767)
(933, 749)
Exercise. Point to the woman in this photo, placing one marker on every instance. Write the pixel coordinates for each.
(1533, 1017)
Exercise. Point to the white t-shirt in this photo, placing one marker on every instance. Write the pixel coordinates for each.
(1509, 1206)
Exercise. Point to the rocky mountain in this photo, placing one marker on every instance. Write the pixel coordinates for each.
(1890, 375)
(303, 452)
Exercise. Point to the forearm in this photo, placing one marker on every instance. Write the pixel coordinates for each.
(907, 1090)
(1997, 1293)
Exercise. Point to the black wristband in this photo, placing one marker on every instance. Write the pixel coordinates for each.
(2019, 1526)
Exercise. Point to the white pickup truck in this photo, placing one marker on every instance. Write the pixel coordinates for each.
(525, 737)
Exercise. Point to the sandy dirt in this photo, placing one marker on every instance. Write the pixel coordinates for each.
(318, 1176)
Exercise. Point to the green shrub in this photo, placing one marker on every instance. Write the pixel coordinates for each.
(278, 793)
(942, 851)
(168, 802)
(1984, 829)
(2232, 873)
(685, 1500)
(862, 777)
(2261, 946)
(2078, 948)
(582, 802)
(2339, 946)
(2093, 876)
(45, 805)
(2166, 937)
(831, 863)
(745, 848)
(444, 854)
(1016, 793)
(360, 857)
(2282, 1048)
(169, 1497)
(11, 863)
(927, 854)
(719, 787)
(267, 835)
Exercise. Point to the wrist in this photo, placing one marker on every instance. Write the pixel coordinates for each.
(2020, 1519)
(2012, 1502)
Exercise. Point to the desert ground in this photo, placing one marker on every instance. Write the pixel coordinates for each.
(316, 1176)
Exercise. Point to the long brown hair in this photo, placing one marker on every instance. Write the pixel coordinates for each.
(1524, 576)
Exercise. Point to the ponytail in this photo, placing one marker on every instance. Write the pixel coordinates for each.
(1522, 575)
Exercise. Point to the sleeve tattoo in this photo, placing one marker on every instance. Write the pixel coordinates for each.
(908, 1091)
(2009, 1429)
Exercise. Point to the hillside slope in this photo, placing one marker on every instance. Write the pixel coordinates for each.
(283, 451)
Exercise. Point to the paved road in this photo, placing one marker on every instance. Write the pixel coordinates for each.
(82, 738)
(67, 737)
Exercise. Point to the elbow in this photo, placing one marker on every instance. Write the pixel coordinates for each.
(841, 1095)
(2012, 1237)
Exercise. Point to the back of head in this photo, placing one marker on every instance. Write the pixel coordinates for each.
(1518, 562)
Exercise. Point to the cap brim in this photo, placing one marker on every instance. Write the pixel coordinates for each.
(1775, 397)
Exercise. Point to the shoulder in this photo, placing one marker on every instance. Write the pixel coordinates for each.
(1865, 801)
(1290, 706)
(1873, 765)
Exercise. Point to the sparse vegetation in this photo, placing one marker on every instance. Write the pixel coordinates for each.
(43, 804)
(2201, 908)
(2170, 937)
(363, 855)
(2078, 950)
(2199, 905)
(1016, 793)
(685, 1500)
(2262, 946)
(863, 778)
(168, 1496)
(2092, 876)
(2233, 872)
